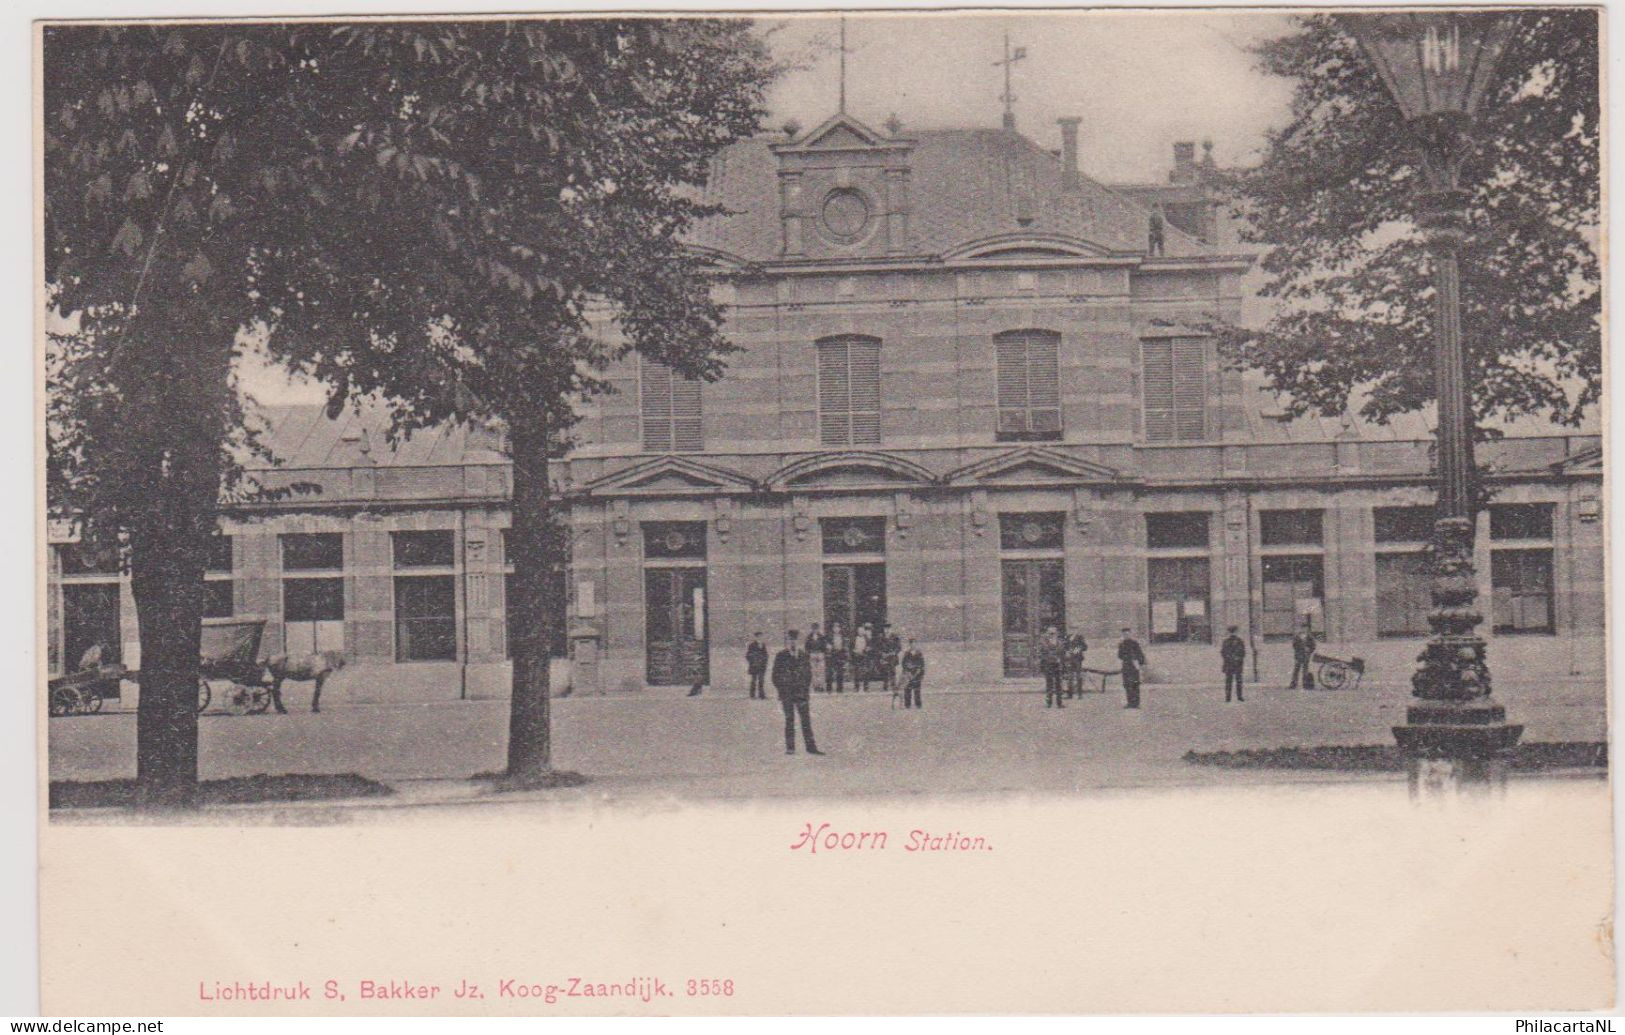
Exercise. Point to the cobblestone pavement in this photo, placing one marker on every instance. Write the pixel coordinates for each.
(723, 745)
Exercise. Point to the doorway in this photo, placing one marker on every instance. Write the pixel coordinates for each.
(854, 595)
(1034, 600)
(675, 626)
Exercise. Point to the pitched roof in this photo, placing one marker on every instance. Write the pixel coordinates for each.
(303, 437)
(964, 187)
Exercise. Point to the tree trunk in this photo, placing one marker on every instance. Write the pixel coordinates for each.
(530, 746)
(166, 579)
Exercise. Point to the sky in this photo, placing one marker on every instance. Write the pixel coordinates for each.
(1139, 80)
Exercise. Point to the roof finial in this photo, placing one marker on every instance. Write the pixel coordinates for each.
(1009, 99)
(842, 107)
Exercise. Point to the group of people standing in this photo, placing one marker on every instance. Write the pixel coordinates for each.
(869, 655)
(794, 673)
(1060, 659)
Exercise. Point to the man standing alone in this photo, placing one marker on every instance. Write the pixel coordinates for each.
(792, 678)
(1133, 659)
(756, 665)
(1051, 658)
(1303, 651)
(1232, 652)
(913, 675)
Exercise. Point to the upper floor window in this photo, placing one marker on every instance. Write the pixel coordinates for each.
(433, 549)
(849, 391)
(1177, 530)
(312, 551)
(1029, 385)
(1175, 389)
(1290, 528)
(1403, 524)
(672, 421)
(1521, 521)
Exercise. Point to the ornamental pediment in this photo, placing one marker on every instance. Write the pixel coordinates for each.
(848, 470)
(668, 476)
(1031, 464)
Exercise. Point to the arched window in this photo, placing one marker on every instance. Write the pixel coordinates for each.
(672, 421)
(849, 390)
(1029, 385)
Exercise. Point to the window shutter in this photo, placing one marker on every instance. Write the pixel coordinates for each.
(687, 433)
(849, 391)
(1011, 352)
(1044, 381)
(1158, 389)
(656, 406)
(1190, 389)
(834, 396)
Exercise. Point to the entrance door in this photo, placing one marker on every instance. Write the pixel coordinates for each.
(1034, 600)
(89, 618)
(675, 626)
(855, 594)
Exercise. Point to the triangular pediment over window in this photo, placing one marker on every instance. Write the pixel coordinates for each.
(669, 476)
(840, 133)
(1031, 465)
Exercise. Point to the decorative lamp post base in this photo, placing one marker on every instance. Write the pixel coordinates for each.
(1472, 729)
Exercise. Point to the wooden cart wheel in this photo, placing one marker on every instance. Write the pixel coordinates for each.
(91, 703)
(204, 695)
(259, 699)
(62, 701)
(1334, 675)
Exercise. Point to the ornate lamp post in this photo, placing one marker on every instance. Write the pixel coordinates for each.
(1436, 64)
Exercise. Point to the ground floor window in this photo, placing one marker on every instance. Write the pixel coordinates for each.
(1180, 601)
(1404, 594)
(90, 618)
(1294, 587)
(1522, 588)
(425, 618)
(313, 614)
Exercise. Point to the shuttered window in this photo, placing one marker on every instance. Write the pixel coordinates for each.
(1029, 385)
(1175, 386)
(672, 420)
(849, 391)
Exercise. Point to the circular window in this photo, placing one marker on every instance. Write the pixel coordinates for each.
(675, 541)
(846, 214)
(1032, 531)
(854, 537)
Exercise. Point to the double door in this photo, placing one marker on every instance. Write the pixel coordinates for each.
(675, 626)
(854, 595)
(1034, 600)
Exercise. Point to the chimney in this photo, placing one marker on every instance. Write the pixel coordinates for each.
(1069, 153)
(1184, 170)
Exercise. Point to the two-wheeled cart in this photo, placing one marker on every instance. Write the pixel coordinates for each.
(230, 653)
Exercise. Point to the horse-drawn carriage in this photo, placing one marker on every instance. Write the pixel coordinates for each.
(1334, 673)
(230, 652)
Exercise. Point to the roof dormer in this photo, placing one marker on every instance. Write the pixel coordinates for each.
(843, 192)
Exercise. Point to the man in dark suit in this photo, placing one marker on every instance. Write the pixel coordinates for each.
(756, 665)
(1051, 659)
(1232, 652)
(913, 675)
(1303, 652)
(792, 678)
(1133, 659)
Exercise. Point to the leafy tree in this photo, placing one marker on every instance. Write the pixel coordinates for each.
(540, 177)
(442, 213)
(1349, 274)
(166, 170)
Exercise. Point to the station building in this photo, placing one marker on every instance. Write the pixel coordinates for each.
(973, 399)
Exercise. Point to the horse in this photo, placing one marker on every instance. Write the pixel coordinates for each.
(303, 669)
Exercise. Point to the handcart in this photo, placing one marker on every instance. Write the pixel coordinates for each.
(1333, 673)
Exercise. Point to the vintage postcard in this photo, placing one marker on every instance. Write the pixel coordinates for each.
(875, 512)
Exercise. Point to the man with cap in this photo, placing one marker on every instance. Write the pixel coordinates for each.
(1232, 652)
(792, 678)
(1133, 659)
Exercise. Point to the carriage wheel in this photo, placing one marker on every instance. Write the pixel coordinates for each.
(238, 699)
(259, 699)
(204, 695)
(1333, 677)
(90, 703)
(62, 701)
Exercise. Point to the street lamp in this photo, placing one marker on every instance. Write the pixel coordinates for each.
(1437, 64)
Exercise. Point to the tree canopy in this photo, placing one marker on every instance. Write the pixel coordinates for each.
(1347, 272)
